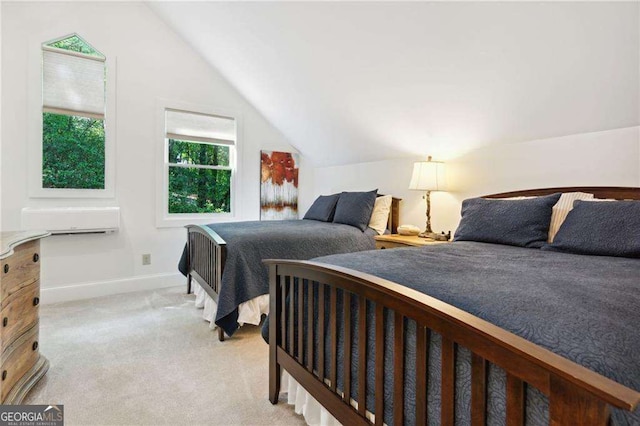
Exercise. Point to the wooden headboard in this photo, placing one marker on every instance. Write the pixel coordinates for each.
(394, 215)
(614, 192)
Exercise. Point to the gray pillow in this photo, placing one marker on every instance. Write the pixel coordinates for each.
(601, 229)
(355, 208)
(522, 223)
(323, 208)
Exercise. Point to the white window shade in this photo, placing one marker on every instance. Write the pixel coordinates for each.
(73, 84)
(200, 127)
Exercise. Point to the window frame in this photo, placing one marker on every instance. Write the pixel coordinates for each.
(35, 130)
(164, 219)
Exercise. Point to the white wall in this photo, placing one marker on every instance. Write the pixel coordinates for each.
(608, 158)
(152, 62)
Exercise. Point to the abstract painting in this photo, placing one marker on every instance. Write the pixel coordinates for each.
(278, 185)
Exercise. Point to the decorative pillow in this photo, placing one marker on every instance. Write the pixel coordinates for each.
(601, 229)
(355, 208)
(523, 223)
(380, 215)
(562, 209)
(323, 208)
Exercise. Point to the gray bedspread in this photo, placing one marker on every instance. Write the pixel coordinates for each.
(248, 243)
(584, 308)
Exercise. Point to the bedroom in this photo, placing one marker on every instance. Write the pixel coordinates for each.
(510, 96)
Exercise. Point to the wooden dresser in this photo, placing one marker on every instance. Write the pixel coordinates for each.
(21, 365)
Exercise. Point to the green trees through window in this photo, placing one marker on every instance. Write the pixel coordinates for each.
(75, 44)
(72, 152)
(199, 177)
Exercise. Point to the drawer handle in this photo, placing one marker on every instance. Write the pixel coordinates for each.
(6, 268)
(382, 248)
(4, 375)
(35, 345)
(36, 301)
(36, 257)
(5, 321)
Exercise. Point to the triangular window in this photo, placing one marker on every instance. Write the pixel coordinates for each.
(75, 43)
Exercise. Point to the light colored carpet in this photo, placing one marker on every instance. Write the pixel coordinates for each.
(148, 358)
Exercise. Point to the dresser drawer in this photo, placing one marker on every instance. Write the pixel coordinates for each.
(18, 359)
(19, 315)
(19, 270)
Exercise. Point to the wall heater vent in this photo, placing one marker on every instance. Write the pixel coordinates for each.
(72, 220)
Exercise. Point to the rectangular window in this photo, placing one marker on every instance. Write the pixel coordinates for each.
(73, 113)
(199, 162)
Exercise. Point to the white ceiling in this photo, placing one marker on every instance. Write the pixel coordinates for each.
(355, 82)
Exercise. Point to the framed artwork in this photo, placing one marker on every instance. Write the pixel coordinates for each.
(278, 185)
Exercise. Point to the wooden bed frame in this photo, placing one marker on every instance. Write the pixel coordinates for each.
(577, 395)
(206, 254)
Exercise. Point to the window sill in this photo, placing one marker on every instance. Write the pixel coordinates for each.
(181, 220)
(71, 193)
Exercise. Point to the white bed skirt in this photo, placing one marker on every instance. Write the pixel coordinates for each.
(314, 413)
(249, 312)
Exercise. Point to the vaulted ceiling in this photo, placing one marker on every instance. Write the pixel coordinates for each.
(354, 82)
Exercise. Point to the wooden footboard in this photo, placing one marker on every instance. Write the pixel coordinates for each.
(576, 394)
(206, 253)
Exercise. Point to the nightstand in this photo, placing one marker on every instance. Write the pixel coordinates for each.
(395, 240)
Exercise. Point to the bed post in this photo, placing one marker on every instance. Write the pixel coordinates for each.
(274, 322)
(188, 250)
(570, 405)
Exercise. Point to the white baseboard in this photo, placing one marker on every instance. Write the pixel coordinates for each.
(106, 288)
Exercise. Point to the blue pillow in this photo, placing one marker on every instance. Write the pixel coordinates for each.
(323, 208)
(522, 223)
(355, 208)
(607, 228)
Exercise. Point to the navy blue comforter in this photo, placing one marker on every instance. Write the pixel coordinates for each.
(249, 243)
(584, 308)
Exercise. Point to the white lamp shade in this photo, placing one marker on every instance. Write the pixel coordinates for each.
(428, 176)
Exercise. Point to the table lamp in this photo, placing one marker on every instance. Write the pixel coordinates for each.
(428, 176)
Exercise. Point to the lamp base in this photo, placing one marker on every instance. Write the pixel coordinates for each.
(434, 236)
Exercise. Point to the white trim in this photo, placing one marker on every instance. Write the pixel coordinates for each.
(199, 166)
(34, 131)
(187, 138)
(106, 288)
(163, 218)
(72, 52)
(62, 111)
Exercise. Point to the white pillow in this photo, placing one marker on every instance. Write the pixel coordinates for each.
(562, 209)
(380, 214)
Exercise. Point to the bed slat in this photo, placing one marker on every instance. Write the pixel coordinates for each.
(398, 369)
(379, 360)
(347, 348)
(362, 355)
(290, 330)
(300, 296)
(478, 390)
(515, 401)
(333, 314)
(310, 304)
(321, 335)
(283, 307)
(422, 362)
(447, 410)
